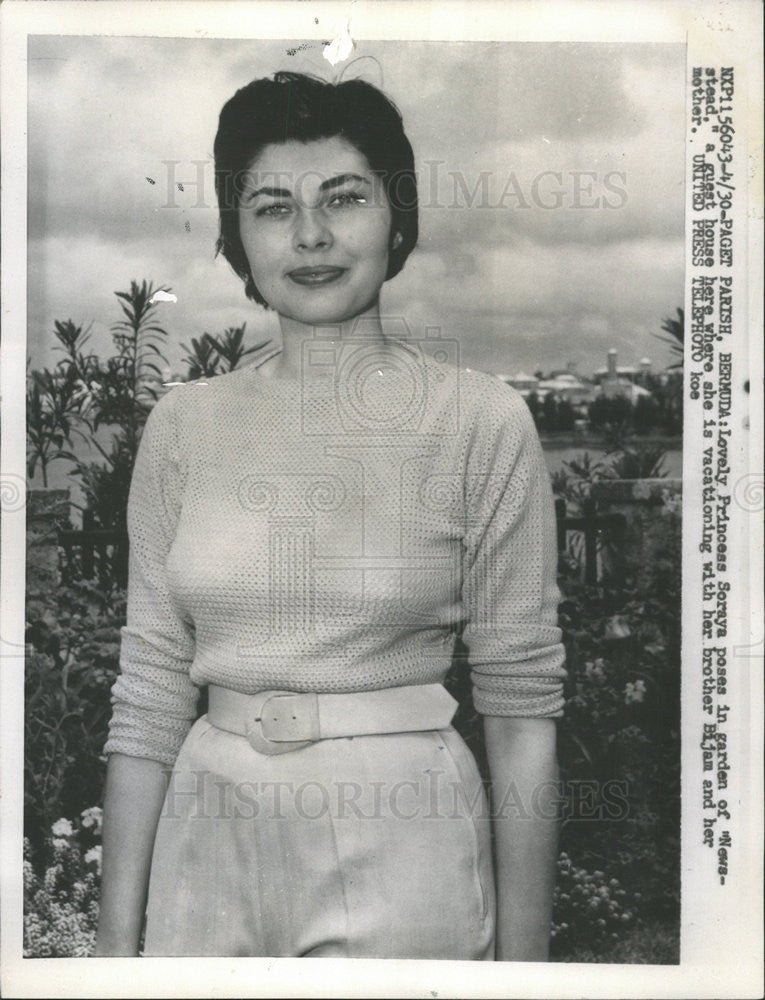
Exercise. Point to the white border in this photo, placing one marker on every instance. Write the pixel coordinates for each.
(717, 961)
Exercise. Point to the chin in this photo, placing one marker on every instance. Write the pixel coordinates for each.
(316, 314)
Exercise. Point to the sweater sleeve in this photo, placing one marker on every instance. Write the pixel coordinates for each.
(510, 593)
(153, 698)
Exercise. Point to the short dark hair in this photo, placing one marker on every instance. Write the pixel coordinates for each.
(295, 106)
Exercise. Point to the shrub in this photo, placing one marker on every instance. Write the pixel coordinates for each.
(73, 656)
(61, 889)
(622, 720)
(589, 909)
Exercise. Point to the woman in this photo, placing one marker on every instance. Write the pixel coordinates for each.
(308, 535)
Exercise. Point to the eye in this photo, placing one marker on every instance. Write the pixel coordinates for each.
(272, 211)
(347, 198)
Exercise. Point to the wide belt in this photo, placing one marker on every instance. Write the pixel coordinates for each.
(279, 721)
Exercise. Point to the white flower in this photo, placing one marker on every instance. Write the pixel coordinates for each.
(634, 692)
(62, 828)
(93, 856)
(673, 502)
(92, 817)
(59, 844)
(594, 670)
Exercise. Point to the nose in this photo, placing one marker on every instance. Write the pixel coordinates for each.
(311, 230)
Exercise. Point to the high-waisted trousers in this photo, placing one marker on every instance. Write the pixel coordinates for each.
(362, 847)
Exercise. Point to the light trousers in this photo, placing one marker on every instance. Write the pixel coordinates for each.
(363, 847)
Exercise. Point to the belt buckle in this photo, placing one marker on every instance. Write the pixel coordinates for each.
(281, 721)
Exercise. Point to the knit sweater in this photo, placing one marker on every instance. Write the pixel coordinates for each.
(336, 535)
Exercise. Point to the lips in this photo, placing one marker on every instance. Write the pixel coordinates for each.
(322, 274)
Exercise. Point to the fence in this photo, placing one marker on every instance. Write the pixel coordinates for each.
(94, 552)
(591, 524)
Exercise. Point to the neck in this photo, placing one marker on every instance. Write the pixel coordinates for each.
(366, 326)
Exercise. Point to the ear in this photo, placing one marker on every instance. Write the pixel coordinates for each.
(397, 240)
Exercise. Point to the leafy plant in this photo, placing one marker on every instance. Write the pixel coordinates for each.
(212, 355)
(230, 346)
(73, 638)
(202, 358)
(641, 462)
(676, 340)
(131, 379)
(72, 341)
(54, 406)
(622, 719)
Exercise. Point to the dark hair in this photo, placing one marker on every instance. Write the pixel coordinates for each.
(294, 106)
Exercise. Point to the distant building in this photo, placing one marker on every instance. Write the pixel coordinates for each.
(525, 384)
(622, 380)
(566, 385)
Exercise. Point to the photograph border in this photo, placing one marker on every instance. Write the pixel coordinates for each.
(721, 933)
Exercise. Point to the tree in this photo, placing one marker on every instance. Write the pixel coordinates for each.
(566, 416)
(676, 340)
(549, 413)
(645, 414)
(230, 346)
(612, 414)
(532, 401)
(54, 404)
(202, 359)
(133, 375)
(212, 355)
(123, 390)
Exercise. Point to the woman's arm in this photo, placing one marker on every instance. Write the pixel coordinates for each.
(516, 657)
(135, 790)
(153, 698)
(524, 775)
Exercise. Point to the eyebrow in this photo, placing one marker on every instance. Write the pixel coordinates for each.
(327, 185)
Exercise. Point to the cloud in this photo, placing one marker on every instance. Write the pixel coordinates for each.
(526, 303)
(117, 124)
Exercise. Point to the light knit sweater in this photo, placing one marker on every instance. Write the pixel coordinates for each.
(334, 536)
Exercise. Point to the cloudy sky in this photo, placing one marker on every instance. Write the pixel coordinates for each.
(551, 187)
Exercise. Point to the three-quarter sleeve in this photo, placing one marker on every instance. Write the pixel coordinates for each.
(154, 700)
(510, 593)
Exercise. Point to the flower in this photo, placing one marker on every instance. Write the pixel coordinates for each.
(62, 828)
(616, 628)
(641, 491)
(634, 692)
(93, 856)
(672, 502)
(594, 671)
(92, 817)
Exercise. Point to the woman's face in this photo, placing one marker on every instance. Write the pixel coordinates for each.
(315, 225)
